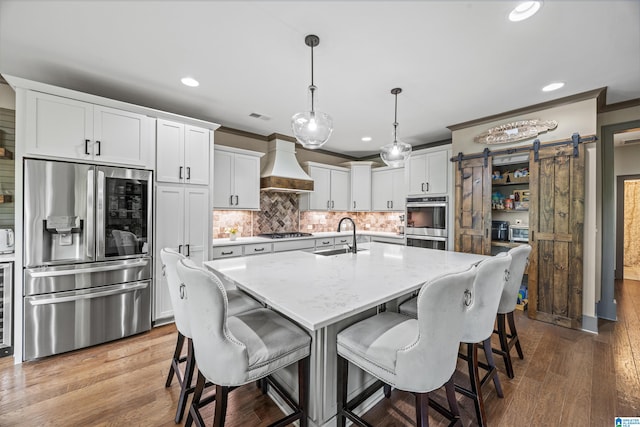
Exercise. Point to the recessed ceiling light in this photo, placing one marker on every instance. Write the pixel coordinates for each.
(366, 138)
(190, 81)
(553, 86)
(524, 10)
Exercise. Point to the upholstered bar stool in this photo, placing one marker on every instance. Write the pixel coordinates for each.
(415, 355)
(519, 262)
(238, 302)
(235, 350)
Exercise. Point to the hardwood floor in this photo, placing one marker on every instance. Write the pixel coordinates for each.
(567, 378)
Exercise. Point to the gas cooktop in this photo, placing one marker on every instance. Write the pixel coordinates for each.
(286, 235)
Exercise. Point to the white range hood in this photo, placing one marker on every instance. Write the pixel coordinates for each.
(282, 172)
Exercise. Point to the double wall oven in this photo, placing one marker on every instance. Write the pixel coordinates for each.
(87, 275)
(426, 222)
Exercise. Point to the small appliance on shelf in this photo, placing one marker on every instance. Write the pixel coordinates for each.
(519, 233)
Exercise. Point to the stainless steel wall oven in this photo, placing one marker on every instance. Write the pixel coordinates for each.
(87, 234)
(426, 222)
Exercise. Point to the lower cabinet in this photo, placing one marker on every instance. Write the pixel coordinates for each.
(182, 224)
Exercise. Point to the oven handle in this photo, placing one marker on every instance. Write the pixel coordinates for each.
(427, 205)
(99, 294)
(118, 266)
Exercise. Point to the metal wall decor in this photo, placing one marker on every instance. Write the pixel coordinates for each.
(515, 131)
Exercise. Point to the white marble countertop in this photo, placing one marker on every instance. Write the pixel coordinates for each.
(316, 291)
(317, 235)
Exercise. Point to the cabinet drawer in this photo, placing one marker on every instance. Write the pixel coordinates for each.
(324, 243)
(227, 251)
(339, 241)
(293, 245)
(256, 249)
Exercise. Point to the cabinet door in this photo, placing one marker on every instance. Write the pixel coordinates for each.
(473, 207)
(246, 182)
(196, 225)
(360, 189)
(437, 165)
(556, 223)
(320, 199)
(120, 136)
(59, 127)
(169, 151)
(196, 155)
(169, 234)
(399, 197)
(417, 174)
(340, 190)
(382, 190)
(222, 179)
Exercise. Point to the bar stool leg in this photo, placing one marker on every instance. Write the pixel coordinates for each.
(343, 373)
(194, 410)
(387, 391)
(186, 381)
(474, 378)
(514, 334)
(175, 360)
(493, 371)
(504, 344)
(222, 395)
(422, 409)
(303, 390)
(450, 389)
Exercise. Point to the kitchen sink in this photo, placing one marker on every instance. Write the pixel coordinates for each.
(329, 252)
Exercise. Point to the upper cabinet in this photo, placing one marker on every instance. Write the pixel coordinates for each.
(360, 187)
(72, 129)
(331, 185)
(388, 188)
(182, 153)
(236, 179)
(428, 172)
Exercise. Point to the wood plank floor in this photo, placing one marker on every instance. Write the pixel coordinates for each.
(568, 378)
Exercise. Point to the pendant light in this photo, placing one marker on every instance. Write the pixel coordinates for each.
(312, 128)
(398, 152)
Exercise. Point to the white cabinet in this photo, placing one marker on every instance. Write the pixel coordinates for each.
(388, 189)
(428, 173)
(182, 153)
(72, 129)
(331, 185)
(236, 179)
(360, 187)
(182, 223)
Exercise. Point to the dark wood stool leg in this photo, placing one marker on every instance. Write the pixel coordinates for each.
(194, 410)
(222, 395)
(504, 345)
(514, 334)
(303, 390)
(186, 381)
(343, 373)
(422, 409)
(492, 366)
(387, 391)
(474, 378)
(450, 388)
(176, 359)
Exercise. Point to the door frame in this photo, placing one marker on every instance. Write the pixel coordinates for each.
(620, 180)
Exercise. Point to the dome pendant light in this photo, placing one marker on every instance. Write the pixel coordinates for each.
(398, 152)
(312, 128)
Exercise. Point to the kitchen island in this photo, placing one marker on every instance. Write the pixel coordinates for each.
(325, 294)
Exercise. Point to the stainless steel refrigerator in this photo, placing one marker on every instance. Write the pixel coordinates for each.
(87, 246)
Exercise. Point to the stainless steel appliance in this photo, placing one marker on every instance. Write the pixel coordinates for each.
(519, 233)
(6, 312)
(7, 241)
(500, 230)
(88, 269)
(426, 222)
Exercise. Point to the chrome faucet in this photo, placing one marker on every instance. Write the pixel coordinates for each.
(354, 248)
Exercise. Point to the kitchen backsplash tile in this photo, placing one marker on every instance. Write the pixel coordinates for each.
(280, 213)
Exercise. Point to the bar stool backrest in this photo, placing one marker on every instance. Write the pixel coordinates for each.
(519, 261)
(490, 280)
(221, 357)
(170, 259)
(442, 306)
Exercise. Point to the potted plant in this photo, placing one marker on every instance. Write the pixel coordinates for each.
(233, 232)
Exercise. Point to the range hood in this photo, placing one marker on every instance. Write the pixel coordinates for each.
(281, 170)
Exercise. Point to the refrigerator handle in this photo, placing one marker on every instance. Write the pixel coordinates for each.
(89, 227)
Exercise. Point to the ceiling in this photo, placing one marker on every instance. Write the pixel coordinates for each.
(456, 61)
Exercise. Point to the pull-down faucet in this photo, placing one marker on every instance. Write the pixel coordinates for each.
(353, 248)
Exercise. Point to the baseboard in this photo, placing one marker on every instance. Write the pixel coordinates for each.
(590, 324)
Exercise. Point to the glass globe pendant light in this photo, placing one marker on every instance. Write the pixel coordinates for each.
(312, 128)
(398, 152)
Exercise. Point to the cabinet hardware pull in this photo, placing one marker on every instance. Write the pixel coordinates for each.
(333, 204)
(98, 153)
(188, 250)
(237, 199)
(391, 204)
(427, 187)
(231, 200)
(258, 250)
(326, 243)
(354, 204)
(180, 173)
(188, 172)
(227, 253)
(328, 204)
(180, 248)
(422, 187)
(86, 147)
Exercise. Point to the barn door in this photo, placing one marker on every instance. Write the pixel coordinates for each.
(556, 221)
(473, 206)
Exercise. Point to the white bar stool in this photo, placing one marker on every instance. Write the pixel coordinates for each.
(416, 355)
(238, 303)
(235, 350)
